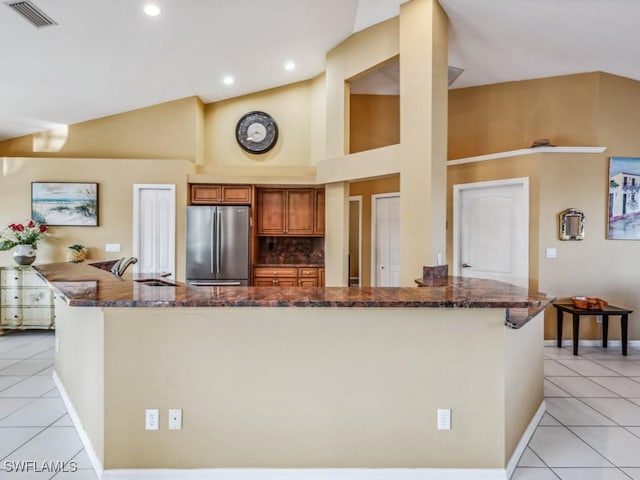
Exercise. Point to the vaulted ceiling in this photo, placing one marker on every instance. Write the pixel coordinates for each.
(103, 58)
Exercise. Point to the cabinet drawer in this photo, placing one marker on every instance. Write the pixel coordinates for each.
(204, 194)
(236, 194)
(31, 279)
(10, 297)
(37, 317)
(308, 282)
(311, 272)
(275, 272)
(10, 277)
(11, 316)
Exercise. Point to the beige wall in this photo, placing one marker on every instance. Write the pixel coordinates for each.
(80, 367)
(289, 106)
(246, 404)
(577, 110)
(366, 189)
(374, 121)
(165, 131)
(509, 116)
(115, 180)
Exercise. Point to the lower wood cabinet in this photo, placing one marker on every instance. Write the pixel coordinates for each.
(287, 276)
(25, 300)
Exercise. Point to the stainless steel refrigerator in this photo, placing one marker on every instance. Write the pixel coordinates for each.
(218, 245)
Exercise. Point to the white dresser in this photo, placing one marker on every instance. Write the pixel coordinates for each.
(25, 300)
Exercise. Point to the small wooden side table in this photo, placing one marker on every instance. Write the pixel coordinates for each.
(605, 312)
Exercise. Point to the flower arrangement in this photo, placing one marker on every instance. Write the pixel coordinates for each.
(19, 234)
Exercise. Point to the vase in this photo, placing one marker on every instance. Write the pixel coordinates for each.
(24, 254)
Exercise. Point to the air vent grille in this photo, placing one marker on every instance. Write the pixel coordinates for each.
(32, 13)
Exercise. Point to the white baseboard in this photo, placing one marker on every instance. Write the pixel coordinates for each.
(84, 438)
(310, 474)
(524, 440)
(592, 343)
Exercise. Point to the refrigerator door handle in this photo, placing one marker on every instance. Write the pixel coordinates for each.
(219, 245)
(212, 243)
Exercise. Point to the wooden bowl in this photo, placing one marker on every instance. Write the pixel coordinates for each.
(589, 303)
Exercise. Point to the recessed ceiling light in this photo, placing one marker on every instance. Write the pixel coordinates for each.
(289, 66)
(152, 9)
(228, 80)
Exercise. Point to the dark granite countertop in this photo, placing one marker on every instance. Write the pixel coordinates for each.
(88, 286)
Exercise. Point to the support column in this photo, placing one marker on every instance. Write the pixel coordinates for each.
(423, 136)
(336, 240)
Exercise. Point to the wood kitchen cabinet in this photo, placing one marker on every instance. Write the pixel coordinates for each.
(287, 276)
(318, 219)
(290, 211)
(207, 194)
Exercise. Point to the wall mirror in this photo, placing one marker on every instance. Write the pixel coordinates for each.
(572, 224)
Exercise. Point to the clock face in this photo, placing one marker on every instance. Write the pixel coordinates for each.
(257, 132)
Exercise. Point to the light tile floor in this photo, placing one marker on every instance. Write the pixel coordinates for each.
(591, 430)
(34, 425)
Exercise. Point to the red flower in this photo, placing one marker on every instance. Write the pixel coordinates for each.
(43, 228)
(20, 227)
(31, 224)
(13, 227)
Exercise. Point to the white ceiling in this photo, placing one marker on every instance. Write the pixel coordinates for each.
(107, 57)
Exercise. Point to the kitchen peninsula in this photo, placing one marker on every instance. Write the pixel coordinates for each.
(349, 380)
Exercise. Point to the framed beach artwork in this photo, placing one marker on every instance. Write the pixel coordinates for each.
(65, 204)
(624, 198)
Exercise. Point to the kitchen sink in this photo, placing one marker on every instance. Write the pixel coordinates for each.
(155, 282)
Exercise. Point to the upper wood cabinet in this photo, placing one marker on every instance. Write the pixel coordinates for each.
(289, 211)
(206, 194)
(318, 221)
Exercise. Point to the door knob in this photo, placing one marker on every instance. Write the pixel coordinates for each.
(466, 265)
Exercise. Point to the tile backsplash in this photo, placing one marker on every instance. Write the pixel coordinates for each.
(291, 250)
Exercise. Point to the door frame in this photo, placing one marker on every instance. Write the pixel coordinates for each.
(358, 198)
(457, 205)
(374, 198)
(137, 188)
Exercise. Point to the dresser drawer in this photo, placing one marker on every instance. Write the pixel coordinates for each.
(37, 317)
(310, 272)
(275, 272)
(31, 279)
(10, 297)
(10, 277)
(11, 316)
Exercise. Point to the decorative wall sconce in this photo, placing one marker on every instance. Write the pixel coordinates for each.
(572, 224)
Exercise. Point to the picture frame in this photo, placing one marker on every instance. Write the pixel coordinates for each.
(65, 204)
(624, 198)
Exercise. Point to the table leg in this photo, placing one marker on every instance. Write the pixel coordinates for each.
(559, 327)
(605, 330)
(624, 327)
(576, 330)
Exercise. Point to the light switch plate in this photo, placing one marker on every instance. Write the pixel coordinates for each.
(112, 247)
(551, 253)
(175, 419)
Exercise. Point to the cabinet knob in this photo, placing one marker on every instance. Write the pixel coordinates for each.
(275, 273)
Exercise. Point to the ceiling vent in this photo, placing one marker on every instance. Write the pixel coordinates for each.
(32, 13)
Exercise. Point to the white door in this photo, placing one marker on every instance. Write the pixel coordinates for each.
(491, 230)
(385, 240)
(154, 241)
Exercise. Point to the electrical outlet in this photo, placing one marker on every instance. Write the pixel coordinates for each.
(598, 318)
(112, 247)
(151, 419)
(175, 419)
(444, 419)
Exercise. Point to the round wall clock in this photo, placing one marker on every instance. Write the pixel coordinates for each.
(257, 132)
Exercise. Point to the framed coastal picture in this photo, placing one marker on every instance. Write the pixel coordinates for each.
(65, 204)
(624, 198)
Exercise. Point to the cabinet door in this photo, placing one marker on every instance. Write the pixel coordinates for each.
(318, 223)
(299, 212)
(271, 211)
(321, 277)
(286, 282)
(236, 194)
(308, 282)
(205, 194)
(264, 282)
